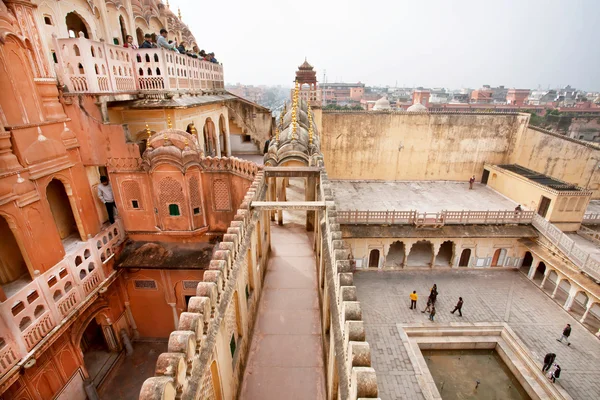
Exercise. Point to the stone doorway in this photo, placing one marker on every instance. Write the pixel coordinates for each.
(374, 258)
(421, 254)
(498, 259)
(527, 261)
(97, 355)
(465, 256)
(62, 212)
(14, 274)
(444, 256)
(395, 256)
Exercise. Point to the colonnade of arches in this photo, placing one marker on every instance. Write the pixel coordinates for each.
(574, 298)
(422, 253)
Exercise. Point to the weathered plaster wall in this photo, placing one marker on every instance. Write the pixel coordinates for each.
(404, 146)
(570, 160)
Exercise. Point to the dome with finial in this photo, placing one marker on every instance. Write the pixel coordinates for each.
(383, 104)
(171, 146)
(305, 65)
(418, 107)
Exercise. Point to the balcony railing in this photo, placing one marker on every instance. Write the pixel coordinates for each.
(579, 256)
(88, 66)
(591, 218)
(440, 218)
(28, 315)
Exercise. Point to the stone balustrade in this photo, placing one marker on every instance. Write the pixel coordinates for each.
(580, 257)
(440, 218)
(27, 316)
(88, 66)
(591, 219)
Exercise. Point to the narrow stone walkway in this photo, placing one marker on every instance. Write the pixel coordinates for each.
(286, 354)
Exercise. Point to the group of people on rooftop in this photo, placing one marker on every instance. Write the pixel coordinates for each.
(153, 41)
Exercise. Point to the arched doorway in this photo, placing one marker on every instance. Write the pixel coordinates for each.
(13, 269)
(216, 380)
(97, 357)
(421, 254)
(123, 29)
(527, 261)
(223, 136)
(539, 272)
(444, 256)
(465, 256)
(61, 210)
(210, 140)
(395, 256)
(498, 259)
(76, 24)
(139, 33)
(374, 258)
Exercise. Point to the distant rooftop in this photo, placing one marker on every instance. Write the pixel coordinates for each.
(540, 178)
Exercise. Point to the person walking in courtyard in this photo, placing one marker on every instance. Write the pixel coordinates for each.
(413, 300)
(555, 374)
(429, 304)
(471, 182)
(432, 313)
(565, 335)
(458, 307)
(105, 193)
(548, 361)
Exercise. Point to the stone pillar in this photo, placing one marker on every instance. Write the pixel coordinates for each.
(558, 280)
(175, 316)
(136, 333)
(572, 294)
(90, 389)
(273, 195)
(546, 273)
(126, 342)
(588, 307)
(533, 268)
(407, 247)
(280, 197)
(435, 249)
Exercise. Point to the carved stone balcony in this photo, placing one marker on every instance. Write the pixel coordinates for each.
(88, 66)
(29, 315)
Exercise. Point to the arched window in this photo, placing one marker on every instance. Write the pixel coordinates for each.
(76, 24)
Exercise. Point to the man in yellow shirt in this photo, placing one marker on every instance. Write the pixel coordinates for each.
(413, 300)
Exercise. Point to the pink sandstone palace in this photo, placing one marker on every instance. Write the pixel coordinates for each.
(222, 278)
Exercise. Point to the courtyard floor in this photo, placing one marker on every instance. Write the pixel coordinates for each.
(423, 196)
(489, 296)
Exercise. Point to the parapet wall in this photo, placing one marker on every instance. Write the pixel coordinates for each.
(416, 146)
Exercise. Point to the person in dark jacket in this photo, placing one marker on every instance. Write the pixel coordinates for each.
(555, 374)
(458, 307)
(267, 143)
(147, 43)
(565, 335)
(548, 361)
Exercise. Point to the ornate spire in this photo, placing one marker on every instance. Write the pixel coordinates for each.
(295, 111)
(179, 13)
(148, 131)
(310, 124)
(169, 124)
(276, 133)
(168, 5)
(282, 115)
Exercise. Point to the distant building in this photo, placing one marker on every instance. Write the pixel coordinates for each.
(421, 96)
(342, 92)
(307, 78)
(517, 97)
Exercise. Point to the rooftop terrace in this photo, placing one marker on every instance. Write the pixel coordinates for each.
(539, 178)
(424, 196)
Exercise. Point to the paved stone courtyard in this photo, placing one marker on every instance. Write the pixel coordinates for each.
(489, 296)
(423, 196)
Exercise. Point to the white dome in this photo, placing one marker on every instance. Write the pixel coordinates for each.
(418, 107)
(382, 104)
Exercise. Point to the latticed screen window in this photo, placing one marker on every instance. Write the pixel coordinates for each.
(174, 210)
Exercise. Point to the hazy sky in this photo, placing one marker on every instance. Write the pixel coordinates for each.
(430, 43)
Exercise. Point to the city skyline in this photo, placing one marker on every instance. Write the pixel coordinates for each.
(432, 45)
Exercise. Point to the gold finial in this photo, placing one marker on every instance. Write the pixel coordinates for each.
(193, 129)
(179, 13)
(168, 5)
(165, 137)
(281, 118)
(276, 133)
(169, 124)
(310, 124)
(148, 131)
(295, 110)
(186, 143)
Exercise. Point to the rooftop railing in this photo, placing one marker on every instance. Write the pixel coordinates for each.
(591, 218)
(88, 66)
(413, 217)
(30, 314)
